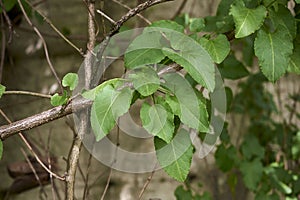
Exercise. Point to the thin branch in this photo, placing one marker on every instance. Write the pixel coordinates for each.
(42, 118)
(32, 151)
(146, 184)
(44, 45)
(84, 122)
(56, 29)
(105, 16)
(33, 170)
(134, 12)
(107, 184)
(35, 94)
(128, 8)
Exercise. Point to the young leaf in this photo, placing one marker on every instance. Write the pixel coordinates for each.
(58, 100)
(91, 94)
(145, 49)
(252, 173)
(273, 51)
(193, 58)
(1, 149)
(176, 157)
(294, 64)
(246, 20)
(218, 48)
(109, 104)
(145, 80)
(2, 90)
(190, 109)
(158, 121)
(231, 68)
(197, 24)
(70, 80)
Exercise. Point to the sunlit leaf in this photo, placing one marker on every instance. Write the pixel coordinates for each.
(246, 20)
(109, 104)
(193, 58)
(273, 51)
(70, 80)
(58, 100)
(91, 94)
(218, 48)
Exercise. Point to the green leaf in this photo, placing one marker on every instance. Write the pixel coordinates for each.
(145, 80)
(70, 80)
(197, 24)
(1, 149)
(182, 194)
(273, 51)
(145, 49)
(231, 68)
(294, 64)
(109, 104)
(91, 94)
(176, 157)
(158, 121)
(246, 20)
(2, 90)
(167, 24)
(218, 48)
(193, 58)
(284, 18)
(252, 173)
(190, 109)
(59, 100)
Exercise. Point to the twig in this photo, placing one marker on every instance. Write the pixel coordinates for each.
(146, 184)
(33, 170)
(44, 45)
(132, 13)
(139, 15)
(32, 151)
(27, 93)
(181, 7)
(107, 184)
(55, 29)
(107, 17)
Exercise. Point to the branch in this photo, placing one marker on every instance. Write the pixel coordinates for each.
(42, 118)
(133, 12)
